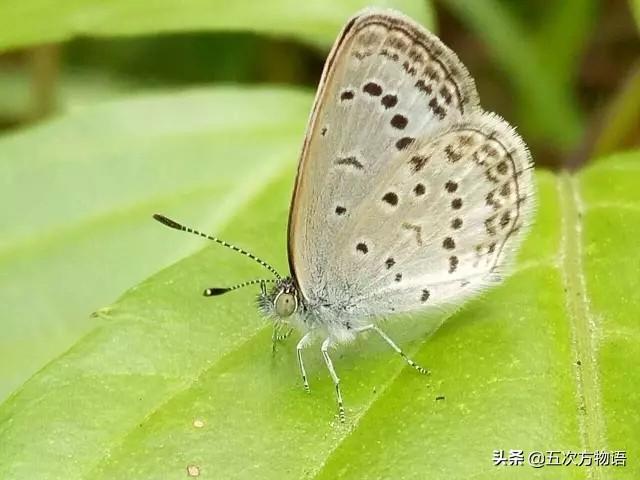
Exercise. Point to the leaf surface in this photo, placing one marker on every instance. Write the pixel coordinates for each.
(170, 381)
(315, 22)
(82, 189)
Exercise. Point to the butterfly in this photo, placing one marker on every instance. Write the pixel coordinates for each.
(409, 197)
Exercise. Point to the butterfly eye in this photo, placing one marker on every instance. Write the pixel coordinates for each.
(286, 304)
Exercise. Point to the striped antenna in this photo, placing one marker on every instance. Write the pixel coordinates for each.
(212, 292)
(172, 224)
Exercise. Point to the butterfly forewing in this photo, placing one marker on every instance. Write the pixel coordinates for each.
(407, 194)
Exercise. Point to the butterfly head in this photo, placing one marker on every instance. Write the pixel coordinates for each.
(281, 302)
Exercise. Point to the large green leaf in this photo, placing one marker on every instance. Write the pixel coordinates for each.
(78, 192)
(316, 21)
(169, 380)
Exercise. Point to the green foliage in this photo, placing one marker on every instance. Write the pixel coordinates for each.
(83, 188)
(539, 57)
(535, 364)
(315, 22)
(635, 6)
(620, 124)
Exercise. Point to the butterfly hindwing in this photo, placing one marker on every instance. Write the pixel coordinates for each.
(461, 201)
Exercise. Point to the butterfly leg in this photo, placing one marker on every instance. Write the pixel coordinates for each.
(304, 341)
(393, 345)
(325, 347)
(276, 336)
(282, 337)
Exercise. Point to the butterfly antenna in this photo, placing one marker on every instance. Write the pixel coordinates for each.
(212, 292)
(175, 225)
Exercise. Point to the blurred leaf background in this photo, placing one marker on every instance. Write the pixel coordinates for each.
(111, 111)
(83, 81)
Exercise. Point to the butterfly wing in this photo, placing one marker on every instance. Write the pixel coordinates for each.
(375, 226)
(465, 199)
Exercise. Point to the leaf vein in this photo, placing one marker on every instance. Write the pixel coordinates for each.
(584, 329)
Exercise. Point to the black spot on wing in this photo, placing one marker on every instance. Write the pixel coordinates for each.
(425, 295)
(418, 162)
(362, 248)
(372, 89)
(453, 263)
(351, 162)
(389, 101)
(448, 243)
(391, 198)
(404, 142)
(347, 95)
(399, 121)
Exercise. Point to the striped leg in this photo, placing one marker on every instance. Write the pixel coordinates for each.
(393, 345)
(276, 336)
(284, 336)
(304, 341)
(325, 347)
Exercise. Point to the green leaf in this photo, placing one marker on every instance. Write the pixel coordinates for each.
(620, 118)
(83, 187)
(316, 22)
(635, 6)
(562, 36)
(537, 66)
(170, 380)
